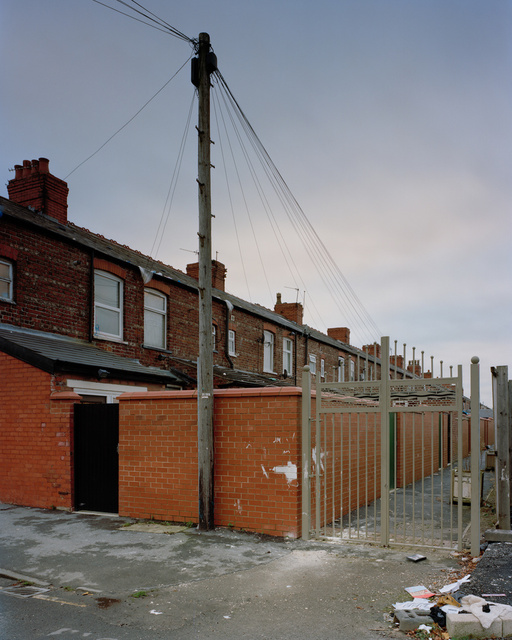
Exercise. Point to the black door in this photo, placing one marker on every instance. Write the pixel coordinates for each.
(96, 458)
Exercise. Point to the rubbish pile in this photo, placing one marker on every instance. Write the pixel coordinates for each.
(453, 613)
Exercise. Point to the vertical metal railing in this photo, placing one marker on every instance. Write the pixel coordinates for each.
(384, 458)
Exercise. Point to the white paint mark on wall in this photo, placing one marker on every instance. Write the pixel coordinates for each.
(277, 440)
(264, 471)
(238, 506)
(290, 471)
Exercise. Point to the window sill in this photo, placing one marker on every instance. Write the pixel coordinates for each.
(98, 336)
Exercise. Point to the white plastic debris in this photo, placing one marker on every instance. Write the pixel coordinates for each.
(454, 586)
(418, 604)
(155, 612)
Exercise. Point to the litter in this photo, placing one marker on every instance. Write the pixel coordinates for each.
(417, 557)
(454, 586)
(486, 612)
(156, 613)
(419, 591)
(418, 604)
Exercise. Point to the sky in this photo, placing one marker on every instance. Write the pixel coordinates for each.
(389, 120)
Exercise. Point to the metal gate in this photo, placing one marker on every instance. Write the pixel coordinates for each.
(383, 459)
(96, 466)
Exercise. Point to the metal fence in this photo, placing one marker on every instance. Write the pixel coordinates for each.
(383, 459)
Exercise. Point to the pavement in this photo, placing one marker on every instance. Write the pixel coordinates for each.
(181, 583)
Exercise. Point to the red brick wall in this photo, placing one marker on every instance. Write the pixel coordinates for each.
(257, 443)
(35, 437)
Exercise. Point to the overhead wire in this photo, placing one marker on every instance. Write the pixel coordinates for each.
(279, 236)
(172, 187)
(160, 24)
(330, 273)
(128, 121)
(233, 217)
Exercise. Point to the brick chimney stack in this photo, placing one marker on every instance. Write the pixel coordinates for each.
(340, 333)
(372, 349)
(34, 186)
(219, 272)
(292, 311)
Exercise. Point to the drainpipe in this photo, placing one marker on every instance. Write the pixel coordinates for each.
(229, 309)
(91, 297)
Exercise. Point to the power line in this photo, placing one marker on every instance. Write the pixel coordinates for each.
(128, 121)
(331, 274)
(160, 24)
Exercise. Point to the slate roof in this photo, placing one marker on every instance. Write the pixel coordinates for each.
(122, 253)
(61, 354)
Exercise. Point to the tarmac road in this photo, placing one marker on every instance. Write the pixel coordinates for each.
(220, 584)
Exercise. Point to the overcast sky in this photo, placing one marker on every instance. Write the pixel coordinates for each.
(390, 121)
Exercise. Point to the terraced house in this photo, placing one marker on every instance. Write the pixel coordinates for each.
(86, 321)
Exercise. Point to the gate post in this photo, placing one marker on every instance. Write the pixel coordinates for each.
(306, 453)
(475, 457)
(502, 426)
(384, 399)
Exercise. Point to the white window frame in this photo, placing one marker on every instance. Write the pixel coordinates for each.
(341, 369)
(119, 310)
(312, 364)
(231, 342)
(352, 370)
(322, 368)
(109, 391)
(268, 351)
(214, 337)
(287, 356)
(160, 313)
(9, 280)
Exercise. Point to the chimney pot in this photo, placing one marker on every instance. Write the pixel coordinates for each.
(27, 168)
(44, 165)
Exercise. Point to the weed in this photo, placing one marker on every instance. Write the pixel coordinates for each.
(139, 594)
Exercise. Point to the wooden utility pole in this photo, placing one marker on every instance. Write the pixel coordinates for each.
(204, 67)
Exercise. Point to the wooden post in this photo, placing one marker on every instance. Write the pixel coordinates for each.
(503, 443)
(205, 368)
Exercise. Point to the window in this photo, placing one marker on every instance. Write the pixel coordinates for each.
(108, 306)
(155, 319)
(341, 369)
(231, 342)
(352, 370)
(287, 356)
(5, 280)
(268, 352)
(312, 364)
(322, 368)
(214, 337)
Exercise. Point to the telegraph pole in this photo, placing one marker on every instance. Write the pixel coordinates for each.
(202, 66)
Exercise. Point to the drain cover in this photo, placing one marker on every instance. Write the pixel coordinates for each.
(24, 591)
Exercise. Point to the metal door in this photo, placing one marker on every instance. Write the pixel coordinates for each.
(96, 463)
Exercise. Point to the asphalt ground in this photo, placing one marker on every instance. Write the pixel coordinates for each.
(177, 582)
(182, 583)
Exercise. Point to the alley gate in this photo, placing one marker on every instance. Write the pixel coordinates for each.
(384, 460)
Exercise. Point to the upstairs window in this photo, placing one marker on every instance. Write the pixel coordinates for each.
(155, 319)
(108, 306)
(231, 342)
(214, 337)
(312, 364)
(352, 370)
(322, 368)
(268, 352)
(287, 356)
(6, 280)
